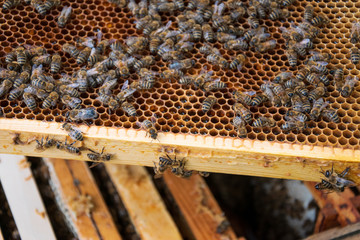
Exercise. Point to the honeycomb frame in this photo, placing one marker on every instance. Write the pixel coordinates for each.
(178, 107)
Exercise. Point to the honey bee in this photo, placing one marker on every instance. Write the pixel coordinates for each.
(238, 62)
(243, 112)
(258, 99)
(269, 93)
(151, 26)
(149, 126)
(318, 106)
(298, 126)
(5, 87)
(8, 4)
(282, 77)
(334, 181)
(318, 56)
(224, 37)
(10, 57)
(39, 6)
(300, 104)
(51, 100)
(208, 103)
(163, 164)
(292, 57)
(82, 80)
(30, 101)
(42, 146)
(330, 115)
(279, 90)
(217, 60)
(355, 32)
(17, 92)
(317, 92)
(82, 114)
(48, 4)
(240, 124)
(125, 92)
(129, 109)
(253, 22)
(13, 66)
(187, 80)
(75, 133)
(171, 73)
(64, 16)
(71, 102)
(339, 78)
(55, 63)
(354, 55)
(206, 49)
(32, 51)
(109, 101)
(301, 47)
(259, 37)
(178, 169)
(348, 87)
(143, 63)
(264, 122)
(40, 93)
(136, 44)
(293, 115)
(213, 84)
(20, 55)
(68, 147)
(184, 47)
(293, 33)
(243, 97)
(320, 19)
(319, 67)
(67, 90)
(71, 49)
(278, 13)
(98, 157)
(83, 55)
(313, 78)
(108, 86)
(237, 31)
(287, 3)
(183, 64)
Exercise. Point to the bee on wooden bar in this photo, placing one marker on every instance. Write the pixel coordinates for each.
(64, 16)
(149, 126)
(334, 181)
(163, 164)
(349, 85)
(178, 169)
(204, 174)
(75, 133)
(98, 157)
(208, 103)
(68, 147)
(82, 114)
(42, 146)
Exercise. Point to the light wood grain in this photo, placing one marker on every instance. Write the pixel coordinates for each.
(99, 223)
(204, 153)
(24, 199)
(198, 206)
(350, 232)
(144, 204)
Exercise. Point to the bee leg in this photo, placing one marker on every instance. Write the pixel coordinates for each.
(94, 164)
(102, 151)
(91, 150)
(343, 174)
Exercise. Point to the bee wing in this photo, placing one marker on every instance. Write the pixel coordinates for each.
(250, 93)
(99, 35)
(153, 118)
(323, 63)
(345, 182)
(353, 81)
(76, 100)
(355, 27)
(37, 68)
(30, 89)
(239, 67)
(172, 34)
(125, 85)
(74, 85)
(129, 92)
(65, 78)
(139, 124)
(164, 28)
(315, 53)
(131, 40)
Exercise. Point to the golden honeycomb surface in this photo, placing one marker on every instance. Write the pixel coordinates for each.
(178, 107)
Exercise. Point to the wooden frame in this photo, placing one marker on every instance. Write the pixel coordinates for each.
(204, 153)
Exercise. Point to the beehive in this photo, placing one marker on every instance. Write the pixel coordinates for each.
(178, 107)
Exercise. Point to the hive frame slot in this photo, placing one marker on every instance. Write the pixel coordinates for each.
(204, 153)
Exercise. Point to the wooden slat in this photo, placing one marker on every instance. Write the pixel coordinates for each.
(327, 218)
(350, 232)
(341, 202)
(72, 179)
(198, 206)
(144, 204)
(24, 198)
(204, 153)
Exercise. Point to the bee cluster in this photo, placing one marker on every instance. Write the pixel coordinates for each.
(42, 7)
(177, 167)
